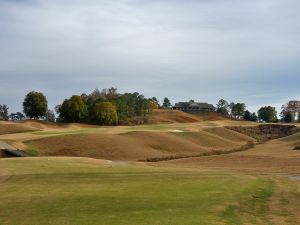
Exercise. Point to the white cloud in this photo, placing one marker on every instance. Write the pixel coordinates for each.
(175, 48)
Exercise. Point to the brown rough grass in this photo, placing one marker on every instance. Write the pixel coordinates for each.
(176, 116)
(10, 128)
(275, 156)
(138, 145)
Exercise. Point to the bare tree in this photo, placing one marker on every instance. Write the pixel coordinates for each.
(50, 116)
(292, 107)
(4, 112)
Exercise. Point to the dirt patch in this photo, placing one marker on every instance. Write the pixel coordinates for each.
(3, 154)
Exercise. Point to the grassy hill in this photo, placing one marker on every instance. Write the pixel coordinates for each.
(176, 116)
(138, 145)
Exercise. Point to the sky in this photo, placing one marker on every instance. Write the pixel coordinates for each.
(242, 51)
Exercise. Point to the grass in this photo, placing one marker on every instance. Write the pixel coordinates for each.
(245, 147)
(55, 191)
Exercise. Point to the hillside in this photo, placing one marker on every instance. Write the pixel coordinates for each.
(176, 116)
(13, 127)
(139, 145)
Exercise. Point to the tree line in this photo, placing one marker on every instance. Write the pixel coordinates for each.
(105, 107)
(290, 112)
(108, 107)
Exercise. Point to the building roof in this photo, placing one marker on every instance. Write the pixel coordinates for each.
(202, 105)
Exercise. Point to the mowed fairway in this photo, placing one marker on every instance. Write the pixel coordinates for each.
(75, 191)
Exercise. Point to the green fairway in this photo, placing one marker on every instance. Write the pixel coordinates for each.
(75, 191)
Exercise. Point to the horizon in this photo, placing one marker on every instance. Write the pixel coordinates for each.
(203, 50)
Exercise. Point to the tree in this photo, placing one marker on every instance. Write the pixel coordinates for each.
(167, 103)
(267, 114)
(50, 116)
(112, 93)
(4, 112)
(73, 110)
(223, 107)
(105, 113)
(154, 103)
(292, 107)
(247, 116)
(85, 108)
(237, 110)
(35, 105)
(96, 94)
(287, 117)
(154, 99)
(144, 107)
(254, 117)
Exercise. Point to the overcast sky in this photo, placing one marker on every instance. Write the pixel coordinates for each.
(243, 51)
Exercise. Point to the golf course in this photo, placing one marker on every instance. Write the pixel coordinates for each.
(170, 172)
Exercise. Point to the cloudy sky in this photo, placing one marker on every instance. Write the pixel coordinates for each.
(243, 51)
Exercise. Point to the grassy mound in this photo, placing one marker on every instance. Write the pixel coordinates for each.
(172, 116)
(138, 145)
(11, 127)
(176, 116)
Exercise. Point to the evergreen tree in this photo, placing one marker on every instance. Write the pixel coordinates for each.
(167, 103)
(247, 116)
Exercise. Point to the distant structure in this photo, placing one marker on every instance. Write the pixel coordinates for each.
(194, 107)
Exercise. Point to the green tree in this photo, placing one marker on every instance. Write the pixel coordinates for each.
(167, 103)
(238, 110)
(73, 110)
(82, 108)
(287, 117)
(247, 116)
(254, 117)
(267, 114)
(105, 113)
(223, 107)
(35, 105)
